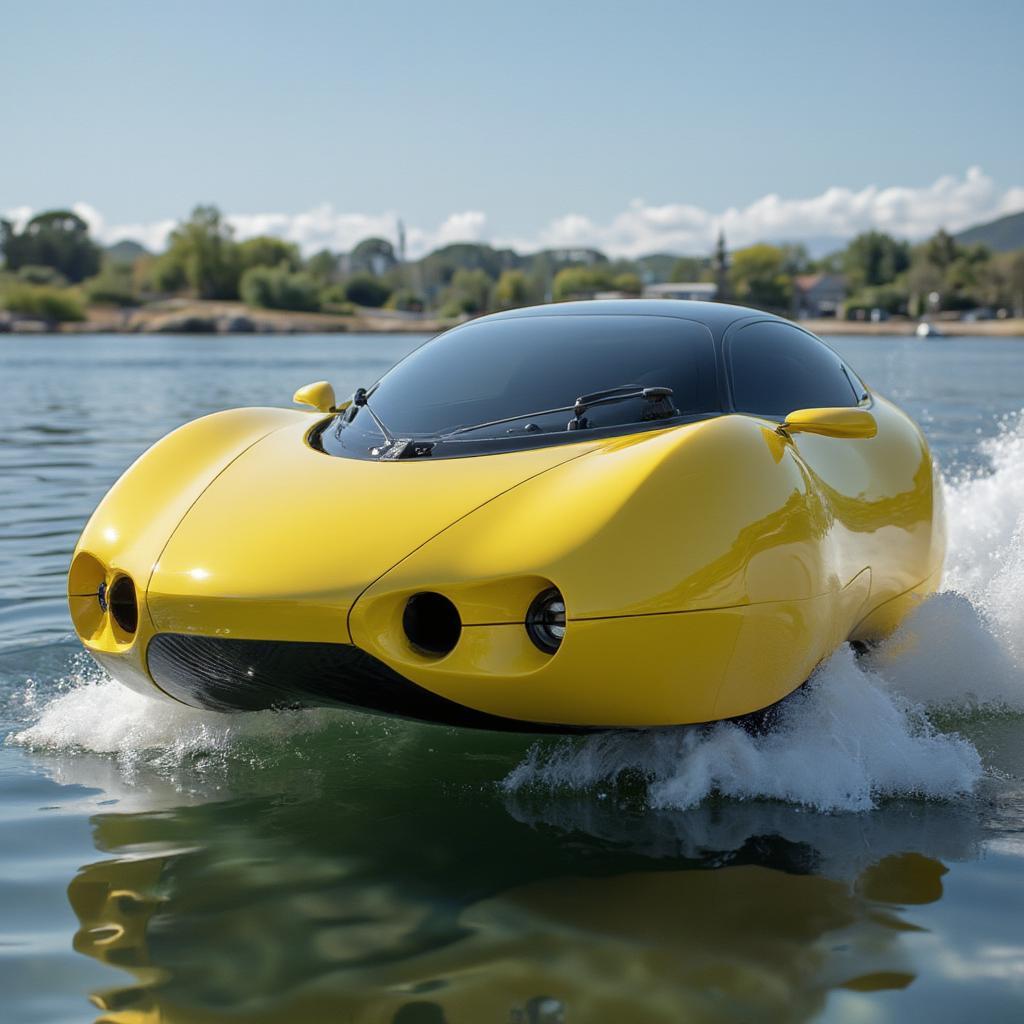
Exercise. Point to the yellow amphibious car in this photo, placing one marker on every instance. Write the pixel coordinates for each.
(583, 515)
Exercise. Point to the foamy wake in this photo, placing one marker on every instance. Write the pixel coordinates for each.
(859, 732)
(95, 713)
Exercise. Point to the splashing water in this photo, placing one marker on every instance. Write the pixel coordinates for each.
(95, 713)
(986, 538)
(858, 732)
(839, 744)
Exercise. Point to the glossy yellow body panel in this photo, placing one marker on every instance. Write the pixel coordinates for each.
(285, 540)
(722, 567)
(706, 568)
(130, 528)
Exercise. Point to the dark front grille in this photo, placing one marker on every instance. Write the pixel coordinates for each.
(253, 675)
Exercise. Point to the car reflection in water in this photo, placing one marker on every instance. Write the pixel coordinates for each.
(359, 897)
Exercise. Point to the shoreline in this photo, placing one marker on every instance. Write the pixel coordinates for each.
(1009, 328)
(212, 317)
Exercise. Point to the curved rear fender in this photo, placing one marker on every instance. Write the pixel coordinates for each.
(889, 511)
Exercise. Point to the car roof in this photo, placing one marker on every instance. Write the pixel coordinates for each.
(716, 316)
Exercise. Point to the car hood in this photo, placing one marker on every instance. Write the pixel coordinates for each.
(286, 538)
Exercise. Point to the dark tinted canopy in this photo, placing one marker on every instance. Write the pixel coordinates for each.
(517, 368)
(777, 368)
(509, 381)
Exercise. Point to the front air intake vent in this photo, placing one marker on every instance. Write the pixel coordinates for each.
(123, 604)
(432, 623)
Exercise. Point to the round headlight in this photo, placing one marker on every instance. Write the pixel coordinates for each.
(545, 620)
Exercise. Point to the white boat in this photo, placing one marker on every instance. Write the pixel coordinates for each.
(925, 329)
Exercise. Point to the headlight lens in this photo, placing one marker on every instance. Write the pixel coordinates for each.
(545, 620)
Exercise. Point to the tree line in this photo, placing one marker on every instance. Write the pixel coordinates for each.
(53, 269)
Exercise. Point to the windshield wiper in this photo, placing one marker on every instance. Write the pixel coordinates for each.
(622, 393)
(360, 399)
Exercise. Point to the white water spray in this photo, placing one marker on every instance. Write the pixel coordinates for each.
(859, 731)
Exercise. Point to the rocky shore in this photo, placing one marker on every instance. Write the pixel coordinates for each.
(198, 317)
(184, 316)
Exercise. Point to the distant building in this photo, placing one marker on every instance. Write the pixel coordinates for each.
(702, 290)
(588, 257)
(818, 295)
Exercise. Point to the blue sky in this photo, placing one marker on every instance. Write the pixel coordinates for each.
(522, 123)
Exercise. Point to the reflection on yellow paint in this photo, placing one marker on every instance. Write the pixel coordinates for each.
(650, 947)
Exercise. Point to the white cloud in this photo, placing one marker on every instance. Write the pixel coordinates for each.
(18, 216)
(152, 235)
(461, 227)
(838, 212)
(319, 228)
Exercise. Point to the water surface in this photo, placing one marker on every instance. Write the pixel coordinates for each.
(863, 863)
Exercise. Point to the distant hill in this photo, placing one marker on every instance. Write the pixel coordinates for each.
(1002, 235)
(126, 251)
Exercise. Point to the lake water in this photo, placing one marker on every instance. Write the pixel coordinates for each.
(864, 863)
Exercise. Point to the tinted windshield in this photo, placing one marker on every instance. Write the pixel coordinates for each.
(777, 368)
(496, 369)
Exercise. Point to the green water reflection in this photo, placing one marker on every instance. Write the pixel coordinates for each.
(418, 892)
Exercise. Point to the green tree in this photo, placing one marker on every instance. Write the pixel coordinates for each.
(1015, 281)
(58, 239)
(267, 251)
(374, 256)
(941, 249)
(33, 273)
(366, 290)
(888, 297)
(964, 277)
(757, 277)
(956, 273)
(435, 272)
(165, 275)
(52, 305)
(687, 269)
(280, 288)
(579, 282)
(323, 265)
(114, 285)
(405, 300)
(201, 254)
(470, 290)
(627, 283)
(874, 258)
(1004, 282)
(922, 280)
(795, 259)
(333, 300)
(512, 290)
